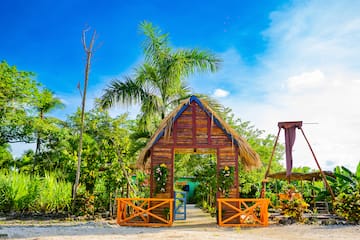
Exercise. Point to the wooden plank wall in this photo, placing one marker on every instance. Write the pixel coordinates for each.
(194, 129)
(161, 154)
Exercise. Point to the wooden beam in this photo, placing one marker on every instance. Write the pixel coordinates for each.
(193, 106)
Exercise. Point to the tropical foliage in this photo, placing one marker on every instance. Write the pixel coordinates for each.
(161, 177)
(226, 180)
(20, 192)
(40, 180)
(159, 83)
(347, 186)
(294, 208)
(18, 90)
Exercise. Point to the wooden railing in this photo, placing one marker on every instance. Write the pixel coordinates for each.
(146, 212)
(234, 212)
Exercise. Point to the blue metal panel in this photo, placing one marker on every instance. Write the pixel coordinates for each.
(180, 205)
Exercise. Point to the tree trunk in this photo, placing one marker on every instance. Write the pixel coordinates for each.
(38, 144)
(88, 52)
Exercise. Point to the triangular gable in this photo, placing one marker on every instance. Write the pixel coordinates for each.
(247, 155)
(209, 112)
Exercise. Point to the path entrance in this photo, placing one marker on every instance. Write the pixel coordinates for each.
(194, 128)
(196, 218)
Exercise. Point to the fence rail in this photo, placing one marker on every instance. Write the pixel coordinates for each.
(146, 212)
(242, 212)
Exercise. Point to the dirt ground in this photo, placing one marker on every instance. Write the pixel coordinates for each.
(197, 226)
(109, 230)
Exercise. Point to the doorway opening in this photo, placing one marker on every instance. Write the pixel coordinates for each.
(195, 179)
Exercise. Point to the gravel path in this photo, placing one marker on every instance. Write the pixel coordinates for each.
(198, 226)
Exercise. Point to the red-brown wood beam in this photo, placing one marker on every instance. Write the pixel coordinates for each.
(163, 145)
(151, 174)
(173, 172)
(236, 174)
(272, 153)
(209, 130)
(175, 131)
(263, 190)
(321, 171)
(217, 171)
(193, 106)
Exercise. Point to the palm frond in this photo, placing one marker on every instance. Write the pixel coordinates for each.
(155, 43)
(190, 61)
(140, 134)
(348, 172)
(212, 102)
(147, 77)
(345, 178)
(127, 92)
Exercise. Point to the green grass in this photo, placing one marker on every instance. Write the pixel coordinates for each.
(21, 192)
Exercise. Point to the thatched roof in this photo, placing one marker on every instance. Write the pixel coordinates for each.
(301, 176)
(248, 157)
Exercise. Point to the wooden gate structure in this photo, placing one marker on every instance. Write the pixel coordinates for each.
(193, 127)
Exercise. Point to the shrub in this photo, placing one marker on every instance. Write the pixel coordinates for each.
(348, 206)
(6, 195)
(294, 208)
(55, 194)
(160, 175)
(226, 180)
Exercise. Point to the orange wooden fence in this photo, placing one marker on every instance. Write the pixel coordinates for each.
(242, 212)
(146, 212)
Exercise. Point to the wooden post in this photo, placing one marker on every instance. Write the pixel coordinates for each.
(317, 163)
(89, 52)
(263, 190)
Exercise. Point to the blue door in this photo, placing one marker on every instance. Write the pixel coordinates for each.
(180, 205)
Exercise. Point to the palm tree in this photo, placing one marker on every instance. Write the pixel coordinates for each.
(158, 84)
(45, 103)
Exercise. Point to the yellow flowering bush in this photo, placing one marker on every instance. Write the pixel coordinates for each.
(226, 180)
(295, 208)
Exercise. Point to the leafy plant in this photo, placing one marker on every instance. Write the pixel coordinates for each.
(226, 180)
(346, 186)
(345, 181)
(160, 175)
(167, 213)
(205, 174)
(348, 206)
(6, 195)
(158, 83)
(294, 208)
(20, 192)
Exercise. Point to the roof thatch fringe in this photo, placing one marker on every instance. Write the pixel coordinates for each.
(248, 157)
(301, 176)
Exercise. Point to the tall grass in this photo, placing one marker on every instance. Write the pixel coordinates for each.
(6, 194)
(21, 192)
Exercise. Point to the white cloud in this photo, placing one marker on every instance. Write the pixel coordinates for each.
(220, 93)
(306, 81)
(310, 72)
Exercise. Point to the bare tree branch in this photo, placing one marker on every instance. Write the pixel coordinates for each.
(89, 53)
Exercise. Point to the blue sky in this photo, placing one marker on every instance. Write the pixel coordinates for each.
(282, 60)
